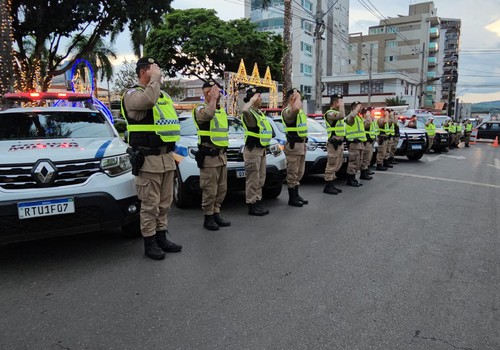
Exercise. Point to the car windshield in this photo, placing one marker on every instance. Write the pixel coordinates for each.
(188, 128)
(53, 124)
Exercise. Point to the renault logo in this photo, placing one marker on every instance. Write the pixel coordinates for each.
(44, 172)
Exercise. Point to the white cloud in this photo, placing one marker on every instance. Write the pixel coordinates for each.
(494, 27)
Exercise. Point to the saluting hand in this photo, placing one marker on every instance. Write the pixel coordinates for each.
(154, 72)
(214, 92)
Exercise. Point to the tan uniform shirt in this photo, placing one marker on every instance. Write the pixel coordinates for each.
(203, 114)
(137, 103)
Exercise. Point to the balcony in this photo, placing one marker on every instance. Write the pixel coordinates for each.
(434, 33)
(433, 47)
(432, 61)
(431, 74)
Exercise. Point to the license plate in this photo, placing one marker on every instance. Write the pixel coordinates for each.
(416, 146)
(28, 210)
(241, 173)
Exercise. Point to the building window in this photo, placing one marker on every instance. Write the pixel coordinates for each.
(306, 69)
(307, 26)
(307, 4)
(390, 58)
(377, 87)
(377, 30)
(392, 30)
(391, 44)
(190, 92)
(306, 90)
(374, 46)
(340, 89)
(306, 48)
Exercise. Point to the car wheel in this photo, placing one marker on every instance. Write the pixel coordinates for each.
(182, 199)
(415, 156)
(272, 192)
(132, 230)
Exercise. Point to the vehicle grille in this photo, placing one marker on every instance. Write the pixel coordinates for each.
(234, 155)
(69, 173)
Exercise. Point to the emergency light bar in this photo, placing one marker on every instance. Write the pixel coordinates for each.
(37, 96)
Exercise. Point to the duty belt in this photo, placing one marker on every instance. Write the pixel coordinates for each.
(146, 151)
(211, 151)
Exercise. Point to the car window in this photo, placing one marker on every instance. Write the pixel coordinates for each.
(53, 124)
(188, 127)
(314, 126)
(495, 126)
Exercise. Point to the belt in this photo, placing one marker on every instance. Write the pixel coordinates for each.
(157, 151)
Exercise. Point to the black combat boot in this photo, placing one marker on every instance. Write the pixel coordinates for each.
(220, 221)
(393, 161)
(387, 164)
(166, 245)
(292, 198)
(210, 223)
(254, 209)
(351, 180)
(151, 248)
(304, 201)
(259, 204)
(365, 175)
(336, 188)
(329, 188)
(380, 167)
(370, 172)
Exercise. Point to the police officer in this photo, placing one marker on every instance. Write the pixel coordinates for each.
(458, 136)
(383, 124)
(467, 131)
(430, 129)
(295, 125)
(153, 129)
(258, 134)
(213, 138)
(371, 131)
(335, 127)
(356, 136)
(394, 139)
(452, 129)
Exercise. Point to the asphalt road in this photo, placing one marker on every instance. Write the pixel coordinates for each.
(411, 260)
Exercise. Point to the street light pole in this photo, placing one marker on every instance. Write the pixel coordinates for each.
(421, 93)
(319, 30)
(370, 77)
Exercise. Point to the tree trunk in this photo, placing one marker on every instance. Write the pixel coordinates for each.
(287, 54)
(6, 78)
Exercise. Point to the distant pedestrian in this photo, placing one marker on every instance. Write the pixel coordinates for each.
(213, 139)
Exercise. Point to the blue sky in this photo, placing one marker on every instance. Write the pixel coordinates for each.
(479, 72)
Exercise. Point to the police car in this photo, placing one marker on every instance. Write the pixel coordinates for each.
(64, 170)
(187, 190)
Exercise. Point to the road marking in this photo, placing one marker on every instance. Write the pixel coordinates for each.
(439, 156)
(496, 165)
(440, 179)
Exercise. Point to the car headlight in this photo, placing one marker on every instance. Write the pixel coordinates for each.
(311, 145)
(116, 165)
(275, 149)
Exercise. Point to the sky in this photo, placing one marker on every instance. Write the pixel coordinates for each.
(479, 72)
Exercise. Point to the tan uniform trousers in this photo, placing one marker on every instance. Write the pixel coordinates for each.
(381, 151)
(155, 190)
(431, 142)
(366, 156)
(334, 161)
(457, 139)
(295, 163)
(467, 138)
(452, 139)
(213, 182)
(394, 146)
(255, 168)
(355, 151)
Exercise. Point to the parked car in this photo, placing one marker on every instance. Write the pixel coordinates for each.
(317, 138)
(442, 137)
(488, 130)
(64, 170)
(187, 181)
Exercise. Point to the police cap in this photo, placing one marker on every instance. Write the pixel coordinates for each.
(250, 92)
(354, 104)
(144, 62)
(290, 93)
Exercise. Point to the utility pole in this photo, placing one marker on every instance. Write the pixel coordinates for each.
(420, 95)
(319, 30)
(370, 77)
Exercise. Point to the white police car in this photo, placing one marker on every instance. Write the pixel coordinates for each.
(187, 181)
(63, 170)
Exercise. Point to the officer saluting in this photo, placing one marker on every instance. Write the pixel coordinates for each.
(295, 124)
(335, 127)
(153, 130)
(258, 133)
(371, 131)
(356, 136)
(212, 125)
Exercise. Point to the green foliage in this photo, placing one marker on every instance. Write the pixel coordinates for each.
(196, 42)
(120, 125)
(395, 101)
(85, 21)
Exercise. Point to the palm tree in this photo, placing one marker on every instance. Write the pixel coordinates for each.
(5, 46)
(138, 35)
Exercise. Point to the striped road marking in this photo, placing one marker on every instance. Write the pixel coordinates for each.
(440, 179)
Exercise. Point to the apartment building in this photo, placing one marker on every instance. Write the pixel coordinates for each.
(335, 38)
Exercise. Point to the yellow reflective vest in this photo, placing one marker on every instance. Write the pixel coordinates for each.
(218, 128)
(356, 131)
(430, 129)
(300, 127)
(264, 132)
(338, 129)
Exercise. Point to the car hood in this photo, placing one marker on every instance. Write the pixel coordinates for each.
(235, 140)
(29, 151)
(317, 137)
(411, 131)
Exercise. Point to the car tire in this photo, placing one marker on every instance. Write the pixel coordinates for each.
(182, 199)
(415, 156)
(272, 192)
(132, 230)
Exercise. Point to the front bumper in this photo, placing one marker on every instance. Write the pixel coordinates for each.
(93, 212)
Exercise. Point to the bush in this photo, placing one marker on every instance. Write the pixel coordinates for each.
(120, 125)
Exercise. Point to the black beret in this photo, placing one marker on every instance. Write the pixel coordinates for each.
(290, 93)
(354, 104)
(145, 61)
(338, 96)
(250, 92)
(208, 84)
